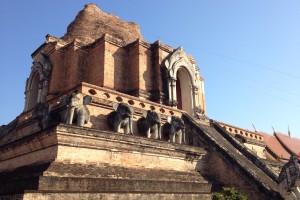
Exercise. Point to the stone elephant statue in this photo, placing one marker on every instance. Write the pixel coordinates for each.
(45, 116)
(150, 123)
(121, 117)
(77, 111)
(288, 179)
(174, 128)
(42, 113)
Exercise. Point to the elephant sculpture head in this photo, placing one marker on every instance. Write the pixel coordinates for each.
(121, 117)
(77, 111)
(174, 128)
(150, 123)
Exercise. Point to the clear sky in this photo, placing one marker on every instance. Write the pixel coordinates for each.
(248, 51)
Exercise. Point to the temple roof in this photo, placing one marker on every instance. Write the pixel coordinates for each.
(292, 144)
(91, 23)
(275, 147)
(279, 146)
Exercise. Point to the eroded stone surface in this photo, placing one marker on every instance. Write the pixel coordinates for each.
(91, 23)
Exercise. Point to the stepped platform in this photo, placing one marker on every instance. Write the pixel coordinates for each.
(69, 162)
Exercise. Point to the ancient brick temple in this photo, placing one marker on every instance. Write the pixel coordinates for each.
(108, 115)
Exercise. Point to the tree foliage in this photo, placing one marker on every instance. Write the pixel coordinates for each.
(229, 194)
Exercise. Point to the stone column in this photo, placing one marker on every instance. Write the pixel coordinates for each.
(172, 92)
(194, 101)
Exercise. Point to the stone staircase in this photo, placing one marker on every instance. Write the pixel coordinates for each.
(256, 174)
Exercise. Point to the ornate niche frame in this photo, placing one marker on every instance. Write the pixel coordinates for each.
(179, 61)
(38, 82)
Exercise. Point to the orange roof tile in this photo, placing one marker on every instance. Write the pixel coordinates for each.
(292, 144)
(275, 147)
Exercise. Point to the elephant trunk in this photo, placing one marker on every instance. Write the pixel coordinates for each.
(183, 136)
(159, 130)
(130, 125)
(69, 115)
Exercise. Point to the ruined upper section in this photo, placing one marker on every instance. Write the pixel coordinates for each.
(91, 23)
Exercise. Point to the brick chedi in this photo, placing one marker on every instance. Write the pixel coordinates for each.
(108, 115)
(91, 23)
(103, 50)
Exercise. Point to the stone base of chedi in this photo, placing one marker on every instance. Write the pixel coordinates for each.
(68, 162)
(40, 159)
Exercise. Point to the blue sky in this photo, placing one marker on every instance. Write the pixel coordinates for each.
(248, 51)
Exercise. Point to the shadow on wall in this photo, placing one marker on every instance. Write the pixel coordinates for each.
(149, 74)
(99, 121)
(121, 70)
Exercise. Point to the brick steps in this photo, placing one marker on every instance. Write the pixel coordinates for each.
(76, 181)
(106, 196)
(120, 185)
(118, 172)
(86, 163)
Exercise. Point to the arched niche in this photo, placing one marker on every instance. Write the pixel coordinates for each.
(184, 93)
(181, 72)
(33, 94)
(38, 82)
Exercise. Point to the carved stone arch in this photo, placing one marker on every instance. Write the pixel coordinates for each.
(38, 82)
(178, 59)
(176, 62)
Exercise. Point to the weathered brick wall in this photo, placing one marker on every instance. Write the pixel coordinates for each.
(109, 66)
(95, 65)
(219, 171)
(115, 64)
(132, 74)
(58, 72)
(135, 69)
(68, 69)
(146, 74)
(162, 55)
(71, 62)
(157, 73)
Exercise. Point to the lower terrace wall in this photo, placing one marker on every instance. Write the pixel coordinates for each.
(73, 162)
(217, 170)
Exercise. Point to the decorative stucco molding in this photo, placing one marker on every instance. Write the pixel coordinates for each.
(42, 67)
(178, 60)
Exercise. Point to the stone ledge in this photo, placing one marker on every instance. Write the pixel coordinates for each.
(64, 129)
(111, 171)
(71, 184)
(105, 196)
(73, 144)
(121, 185)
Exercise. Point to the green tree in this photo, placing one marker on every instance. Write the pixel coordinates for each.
(229, 194)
